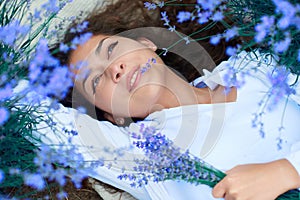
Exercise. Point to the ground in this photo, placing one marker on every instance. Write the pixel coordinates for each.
(86, 192)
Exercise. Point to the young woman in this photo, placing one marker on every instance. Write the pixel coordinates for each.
(213, 124)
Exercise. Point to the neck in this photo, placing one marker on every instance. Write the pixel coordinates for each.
(179, 93)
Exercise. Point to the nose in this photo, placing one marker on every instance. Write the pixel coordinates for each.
(117, 70)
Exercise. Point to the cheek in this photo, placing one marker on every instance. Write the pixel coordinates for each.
(113, 99)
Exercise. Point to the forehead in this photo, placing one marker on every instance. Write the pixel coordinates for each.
(82, 51)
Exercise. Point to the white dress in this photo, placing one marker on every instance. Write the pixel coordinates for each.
(221, 134)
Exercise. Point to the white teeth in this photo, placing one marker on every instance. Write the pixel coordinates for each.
(133, 78)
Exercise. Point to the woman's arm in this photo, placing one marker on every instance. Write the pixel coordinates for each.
(258, 181)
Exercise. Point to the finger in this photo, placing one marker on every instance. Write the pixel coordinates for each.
(219, 190)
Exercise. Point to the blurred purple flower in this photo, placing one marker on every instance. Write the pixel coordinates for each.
(62, 195)
(230, 33)
(217, 16)
(264, 28)
(161, 4)
(280, 87)
(12, 31)
(59, 82)
(80, 27)
(230, 51)
(283, 45)
(34, 180)
(215, 39)
(1, 176)
(6, 92)
(285, 8)
(63, 47)
(4, 115)
(203, 17)
(59, 176)
(51, 6)
(80, 40)
(234, 77)
(298, 55)
(69, 161)
(47, 77)
(210, 5)
(183, 16)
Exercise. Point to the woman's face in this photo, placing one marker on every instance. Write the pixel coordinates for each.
(112, 77)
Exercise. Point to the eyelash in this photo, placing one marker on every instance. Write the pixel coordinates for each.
(110, 48)
(96, 80)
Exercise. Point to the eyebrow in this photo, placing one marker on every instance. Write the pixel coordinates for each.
(98, 49)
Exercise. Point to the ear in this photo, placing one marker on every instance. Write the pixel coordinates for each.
(147, 42)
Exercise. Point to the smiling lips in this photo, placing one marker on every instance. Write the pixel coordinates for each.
(133, 78)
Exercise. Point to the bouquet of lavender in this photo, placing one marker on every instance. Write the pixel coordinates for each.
(164, 161)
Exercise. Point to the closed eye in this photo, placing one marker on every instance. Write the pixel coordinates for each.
(110, 49)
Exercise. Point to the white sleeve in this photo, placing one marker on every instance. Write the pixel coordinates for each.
(294, 156)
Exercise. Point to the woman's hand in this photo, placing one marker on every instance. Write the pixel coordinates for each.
(258, 181)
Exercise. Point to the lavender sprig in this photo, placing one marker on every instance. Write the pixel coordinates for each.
(165, 161)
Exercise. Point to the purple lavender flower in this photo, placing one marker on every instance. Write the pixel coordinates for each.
(230, 33)
(6, 92)
(1, 176)
(217, 16)
(51, 6)
(148, 65)
(287, 10)
(210, 5)
(215, 39)
(280, 87)
(203, 17)
(283, 45)
(63, 47)
(161, 4)
(230, 51)
(164, 17)
(34, 180)
(46, 75)
(183, 16)
(4, 115)
(80, 40)
(231, 78)
(165, 161)
(172, 28)
(150, 6)
(62, 195)
(264, 28)
(80, 27)
(69, 162)
(59, 82)
(12, 31)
